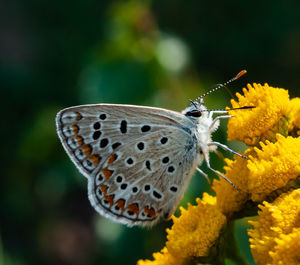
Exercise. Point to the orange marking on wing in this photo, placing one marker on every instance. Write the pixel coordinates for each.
(107, 173)
(103, 188)
(95, 160)
(120, 203)
(87, 149)
(78, 116)
(111, 159)
(149, 211)
(75, 129)
(79, 140)
(134, 208)
(110, 199)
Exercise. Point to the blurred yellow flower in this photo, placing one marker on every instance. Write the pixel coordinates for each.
(196, 230)
(262, 122)
(162, 258)
(294, 117)
(273, 166)
(287, 249)
(275, 220)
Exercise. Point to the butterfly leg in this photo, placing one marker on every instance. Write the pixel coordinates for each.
(218, 173)
(212, 112)
(212, 126)
(203, 174)
(219, 111)
(223, 146)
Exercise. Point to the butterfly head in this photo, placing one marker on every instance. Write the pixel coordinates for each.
(195, 110)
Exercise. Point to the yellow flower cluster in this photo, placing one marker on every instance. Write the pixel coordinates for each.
(275, 238)
(265, 120)
(192, 234)
(271, 165)
(286, 250)
(274, 160)
(196, 230)
(294, 117)
(274, 165)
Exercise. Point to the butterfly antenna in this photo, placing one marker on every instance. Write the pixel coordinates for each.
(241, 73)
(193, 102)
(216, 110)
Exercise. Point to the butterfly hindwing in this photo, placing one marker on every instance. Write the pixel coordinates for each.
(139, 180)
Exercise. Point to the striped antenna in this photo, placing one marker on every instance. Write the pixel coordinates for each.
(244, 107)
(241, 73)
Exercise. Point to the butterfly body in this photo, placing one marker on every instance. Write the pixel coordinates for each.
(138, 160)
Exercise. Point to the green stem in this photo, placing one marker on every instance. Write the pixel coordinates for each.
(231, 249)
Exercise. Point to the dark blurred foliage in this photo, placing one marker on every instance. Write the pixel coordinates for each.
(56, 54)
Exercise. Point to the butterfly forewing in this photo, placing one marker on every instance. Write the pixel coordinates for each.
(134, 157)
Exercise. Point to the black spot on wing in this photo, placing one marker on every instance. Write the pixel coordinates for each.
(123, 126)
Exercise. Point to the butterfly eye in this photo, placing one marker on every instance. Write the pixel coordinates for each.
(194, 113)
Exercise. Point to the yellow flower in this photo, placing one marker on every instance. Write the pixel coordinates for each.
(275, 219)
(162, 258)
(196, 230)
(265, 120)
(206, 198)
(294, 117)
(230, 200)
(287, 249)
(273, 166)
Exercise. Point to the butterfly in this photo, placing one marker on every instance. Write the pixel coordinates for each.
(139, 160)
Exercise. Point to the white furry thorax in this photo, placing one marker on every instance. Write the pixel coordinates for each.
(202, 129)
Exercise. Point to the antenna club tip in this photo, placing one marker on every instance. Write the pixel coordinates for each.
(241, 73)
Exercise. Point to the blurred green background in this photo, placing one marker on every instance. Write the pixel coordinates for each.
(55, 54)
